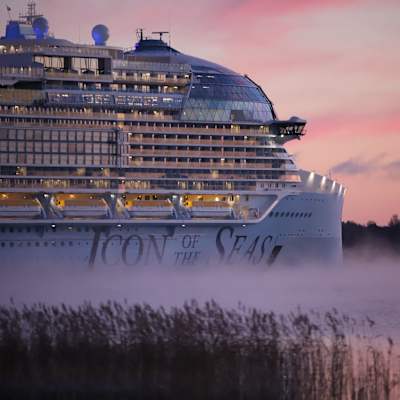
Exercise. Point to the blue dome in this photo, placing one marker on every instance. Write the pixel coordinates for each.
(100, 35)
(40, 27)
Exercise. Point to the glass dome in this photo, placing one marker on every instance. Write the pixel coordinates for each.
(216, 93)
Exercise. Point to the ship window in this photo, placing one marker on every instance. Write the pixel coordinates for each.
(37, 244)
(11, 244)
(11, 230)
(45, 244)
(292, 215)
(28, 244)
(70, 244)
(309, 215)
(282, 214)
(2, 244)
(62, 243)
(287, 214)
(301, 215)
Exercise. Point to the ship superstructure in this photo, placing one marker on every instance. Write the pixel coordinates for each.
(148, 155)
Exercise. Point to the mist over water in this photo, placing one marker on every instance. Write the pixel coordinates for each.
(358, 288)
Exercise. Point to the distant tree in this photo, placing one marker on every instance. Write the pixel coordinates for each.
(394, 221)
(371, 223)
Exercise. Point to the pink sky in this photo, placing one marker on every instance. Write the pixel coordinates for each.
(335, 63)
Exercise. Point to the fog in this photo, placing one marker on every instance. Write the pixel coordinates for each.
(358, 288)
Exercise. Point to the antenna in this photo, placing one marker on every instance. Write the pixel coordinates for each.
(31, 13)
(139, 34)
(161, 33)
(9, 12)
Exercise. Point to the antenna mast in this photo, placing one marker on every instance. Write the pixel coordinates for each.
(31, 13)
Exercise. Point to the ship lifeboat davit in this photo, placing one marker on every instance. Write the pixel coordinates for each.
(80, 206)
(154, 208)
(16, 205)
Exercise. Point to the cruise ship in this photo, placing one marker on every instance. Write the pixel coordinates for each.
(148, 157)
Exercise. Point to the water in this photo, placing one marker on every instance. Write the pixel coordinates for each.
(359, 288)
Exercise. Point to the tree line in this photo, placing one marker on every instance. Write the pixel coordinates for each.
(371, 238)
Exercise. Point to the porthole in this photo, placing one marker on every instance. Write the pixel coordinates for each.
(46, 244)
(11, 230)
(62, 244)
(37, 244)
(301, 215)
(287, 214)
(11, 244)
(28, 244)
(292, 215)
(296, 215)
(70, 244)
(282, 214)
(2, 244)
(271, 214)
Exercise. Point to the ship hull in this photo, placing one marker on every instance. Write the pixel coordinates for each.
(280, 237)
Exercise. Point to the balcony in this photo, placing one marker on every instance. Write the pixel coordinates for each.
(140, 80)
(201, 165)
(81, 77)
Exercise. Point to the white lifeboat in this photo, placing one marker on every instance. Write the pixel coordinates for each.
(19, 207)
(217, 209)
(80, 206)
(150, 208)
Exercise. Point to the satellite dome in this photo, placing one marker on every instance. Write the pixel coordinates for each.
(100, 35)
(40, 27)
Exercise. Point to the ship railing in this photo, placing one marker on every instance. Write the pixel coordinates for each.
(78, 76)
(151, 80)
(200, 165)
(84, 115)
(193, 130)
(184, 142)
(193, 153)
(59, 51)
(144, 66)
(16, 73)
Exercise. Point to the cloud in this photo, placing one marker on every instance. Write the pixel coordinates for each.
(359, 166)
(354, 166)
(393, 168)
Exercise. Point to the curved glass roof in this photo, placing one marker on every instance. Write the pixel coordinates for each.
(216, 94)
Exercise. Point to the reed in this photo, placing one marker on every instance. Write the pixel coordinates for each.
(116, 351)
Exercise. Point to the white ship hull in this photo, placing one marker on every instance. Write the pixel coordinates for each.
(282, 239)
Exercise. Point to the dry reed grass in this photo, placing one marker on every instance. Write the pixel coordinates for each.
(121, 351)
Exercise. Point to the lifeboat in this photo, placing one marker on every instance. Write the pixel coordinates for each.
(153, 208)
(216, 209)
(19, 206)
(80, 206)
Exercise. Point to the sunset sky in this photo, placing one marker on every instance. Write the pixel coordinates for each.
(335, 63)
